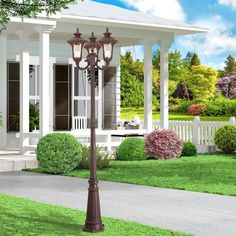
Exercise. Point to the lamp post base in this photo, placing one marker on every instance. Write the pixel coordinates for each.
(93, 228)
(93, 221)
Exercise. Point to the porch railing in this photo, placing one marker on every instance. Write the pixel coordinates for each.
(79, 123)
(199, 132)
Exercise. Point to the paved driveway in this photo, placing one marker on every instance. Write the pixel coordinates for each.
(198, 213)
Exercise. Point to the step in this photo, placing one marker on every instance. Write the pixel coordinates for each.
(17, 163)
(6, 166)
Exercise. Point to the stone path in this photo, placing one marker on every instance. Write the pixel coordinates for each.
(198, 213)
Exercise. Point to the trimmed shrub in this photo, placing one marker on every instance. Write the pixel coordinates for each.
(189, 149)
(181, 106)
(163, 144)
(196, 110)
(131, 149)
(220, 106)
(225, 138)
(58, 153)
(103, 158)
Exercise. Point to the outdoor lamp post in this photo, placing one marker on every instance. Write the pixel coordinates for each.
(93, 221)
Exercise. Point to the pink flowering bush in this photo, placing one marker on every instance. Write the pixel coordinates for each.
(196, 109)
(163, 144)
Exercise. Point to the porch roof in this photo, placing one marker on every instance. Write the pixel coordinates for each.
(91, 11)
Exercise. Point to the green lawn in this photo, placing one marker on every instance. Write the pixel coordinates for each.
(130, 112)
(205, 173)
(20, 217)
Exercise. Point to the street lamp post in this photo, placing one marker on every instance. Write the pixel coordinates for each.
(93, 221)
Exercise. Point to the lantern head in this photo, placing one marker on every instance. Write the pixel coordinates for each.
(107, 43)
(92, 46)
(77, 43)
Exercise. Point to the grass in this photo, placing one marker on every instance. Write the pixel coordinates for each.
(129, 113)
(205, 173)
(21, 217)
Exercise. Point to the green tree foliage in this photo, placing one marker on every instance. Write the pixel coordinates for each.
(132, 82)
(132, 88)
(202, 82)
(30, 8)
(189, 57)
(178, 68)
(195, 61)
(230, 68)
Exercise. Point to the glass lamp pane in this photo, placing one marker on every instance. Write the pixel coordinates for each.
(77, 51)
(107, 50)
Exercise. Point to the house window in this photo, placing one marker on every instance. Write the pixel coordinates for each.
(62, 97)
(82, 93)
(34, 85)
(13, 95)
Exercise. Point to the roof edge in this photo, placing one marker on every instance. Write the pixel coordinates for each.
(190, 30)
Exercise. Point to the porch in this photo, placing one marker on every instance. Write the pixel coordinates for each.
(41, 43)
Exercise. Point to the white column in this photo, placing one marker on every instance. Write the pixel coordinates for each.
(164, 77)
(3, 90)
(148, 87)
(44, 80)
(24, 88)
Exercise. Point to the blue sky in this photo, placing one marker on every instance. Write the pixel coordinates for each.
(218, 15)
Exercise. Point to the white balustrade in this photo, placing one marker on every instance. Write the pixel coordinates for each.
(199, 132)
(79, 123)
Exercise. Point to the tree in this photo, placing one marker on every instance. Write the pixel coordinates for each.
(195, 61)
(177, 66)
(132, 90)
(30, 8)
(132, 82)
(189, 57)
(202, 82)
(182, 92)
(227, 87)
(132, 87)
(230, 68)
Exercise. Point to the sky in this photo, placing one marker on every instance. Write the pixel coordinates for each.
(217, 15)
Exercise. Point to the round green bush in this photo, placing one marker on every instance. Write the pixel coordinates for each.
(131, 149)
(225, 138)
(189, 149)
(58, 153)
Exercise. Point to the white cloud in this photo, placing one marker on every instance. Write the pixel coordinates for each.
(169, 9)
(230, 3)
(219, 41)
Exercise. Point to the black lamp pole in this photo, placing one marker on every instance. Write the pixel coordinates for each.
(93, 221)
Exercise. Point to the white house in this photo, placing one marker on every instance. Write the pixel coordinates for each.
(62, 94)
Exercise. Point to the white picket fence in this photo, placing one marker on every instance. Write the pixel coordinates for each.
(201, 133)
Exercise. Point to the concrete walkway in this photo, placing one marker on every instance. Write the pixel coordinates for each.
(197, 213)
